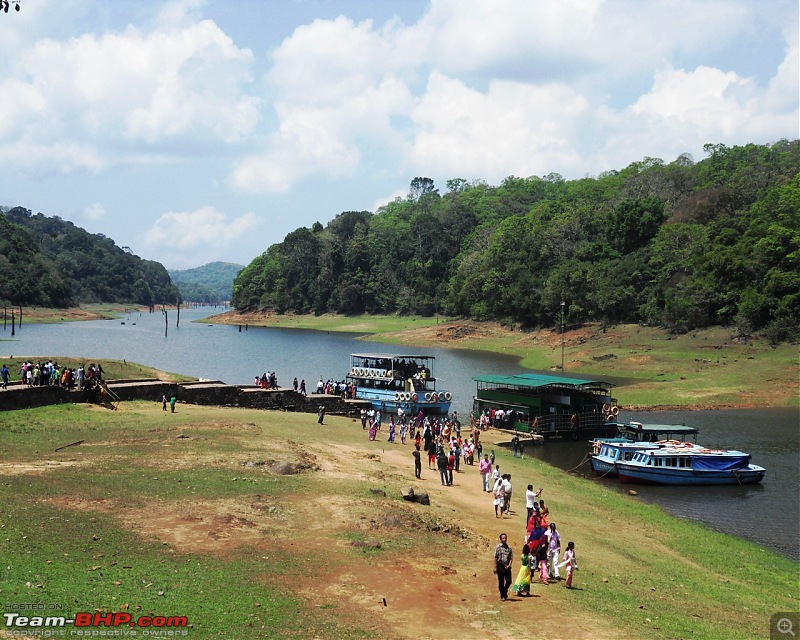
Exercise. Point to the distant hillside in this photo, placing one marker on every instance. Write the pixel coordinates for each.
(212, 283)
(47, 261)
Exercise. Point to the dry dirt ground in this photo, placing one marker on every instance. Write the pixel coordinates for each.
(447, 591)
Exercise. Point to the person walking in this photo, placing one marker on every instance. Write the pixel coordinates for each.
(5, 373)
(417, 461)
(321, 415)
(515, 443)
(172, 402)
(441, 463)
(571, 562)
(553, 550)
(499, 492)
(503, 559)
(164, 402)
(485, 469)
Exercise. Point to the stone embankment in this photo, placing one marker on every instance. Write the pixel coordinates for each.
(216, 393)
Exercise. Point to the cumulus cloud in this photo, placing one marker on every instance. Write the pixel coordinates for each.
(198, 235)
(489, 90)
(128, 94)
(95, 212)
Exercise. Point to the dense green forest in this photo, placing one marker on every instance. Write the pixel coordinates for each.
(211, 283)
(47, 261)
(682, 245)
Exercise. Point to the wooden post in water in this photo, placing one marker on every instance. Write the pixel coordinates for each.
(166, 321)
(4, 317)
(178, 323)
(19, 324)
(12, 323)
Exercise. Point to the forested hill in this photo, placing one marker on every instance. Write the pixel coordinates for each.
(680, 245)
(47, 261)
(211, 283)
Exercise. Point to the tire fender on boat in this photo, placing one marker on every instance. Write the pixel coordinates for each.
(427, 397)
(615, 411)
(398, 397)
(447, 396)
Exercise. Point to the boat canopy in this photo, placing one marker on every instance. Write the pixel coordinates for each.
(537, 381)
(720, 463)
(389, 356)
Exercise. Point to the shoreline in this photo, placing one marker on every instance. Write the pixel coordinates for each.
(702, 370)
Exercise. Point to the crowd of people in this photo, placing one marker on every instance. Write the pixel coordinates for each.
(543, 556)
(541, 549)
(50, 373)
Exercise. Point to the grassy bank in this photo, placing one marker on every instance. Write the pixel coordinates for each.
(186, 514)
(711, 368)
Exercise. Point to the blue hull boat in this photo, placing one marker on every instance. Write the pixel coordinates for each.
(688, 465)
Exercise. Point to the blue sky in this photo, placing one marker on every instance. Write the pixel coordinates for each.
(196, 130)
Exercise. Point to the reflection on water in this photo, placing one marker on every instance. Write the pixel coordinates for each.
(768, 513)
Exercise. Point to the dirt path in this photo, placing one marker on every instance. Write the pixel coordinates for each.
(454, 596)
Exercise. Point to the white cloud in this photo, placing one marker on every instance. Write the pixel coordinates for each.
(128, 93)
(96, 212)
(197, 235)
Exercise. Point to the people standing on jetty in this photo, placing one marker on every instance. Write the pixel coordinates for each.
(294, 384)
(303, 388)
(503, 559)
(363, 418)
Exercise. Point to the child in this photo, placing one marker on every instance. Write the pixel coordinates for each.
(541, 560)
(571, 562)
(491, 457)
(522, 586)
(417, 461)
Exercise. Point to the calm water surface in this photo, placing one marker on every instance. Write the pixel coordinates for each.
(768, 513)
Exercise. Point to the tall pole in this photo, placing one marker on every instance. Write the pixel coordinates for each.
(562, 336)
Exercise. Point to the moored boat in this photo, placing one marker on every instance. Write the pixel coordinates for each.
(638, 432)
(689, 464)
(606, 453)
(396, 381)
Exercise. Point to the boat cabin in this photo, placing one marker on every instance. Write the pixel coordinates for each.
(553, 406)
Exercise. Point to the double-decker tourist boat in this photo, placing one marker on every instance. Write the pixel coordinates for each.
(392, 381)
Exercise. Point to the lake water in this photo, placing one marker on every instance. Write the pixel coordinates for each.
(768, 513)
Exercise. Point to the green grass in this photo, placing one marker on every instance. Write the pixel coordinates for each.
(636, 561)
(77, 559)
(688, 580)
